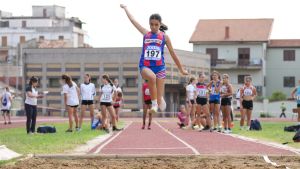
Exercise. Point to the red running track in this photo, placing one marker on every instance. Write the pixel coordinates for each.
(165, 138)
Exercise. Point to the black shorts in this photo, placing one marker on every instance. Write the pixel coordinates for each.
(5, 111)
(216, 101)
(226, 102)
(87, 102)
(201, 101)
(148, 102)
(247, 104)
(192, 101)
(107, 104)
(298, 105)
(75, 106)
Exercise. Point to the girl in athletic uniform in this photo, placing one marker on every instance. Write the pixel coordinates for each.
(107, 94)
(118, 103)
(248, 94)
(191, 95)
(226, 95)
(71, 97)
(202, 100)
(181, 115)
(6, 100)
(146, 105)
(214, 99)
(296, 94)
(152, 64)
(88, 92)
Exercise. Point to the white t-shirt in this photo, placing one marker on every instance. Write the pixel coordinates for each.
(107, 93)
(87, 91)
(72, 95)
(6, 96)
(118, 89)
(30, 100)
(190, 90)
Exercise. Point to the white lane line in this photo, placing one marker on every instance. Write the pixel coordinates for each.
(185, 143)
(111, 139)
(270, 144)
(148, 148)
(266, 158)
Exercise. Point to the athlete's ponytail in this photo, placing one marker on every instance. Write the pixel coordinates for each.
(106, 77)
(162, 27)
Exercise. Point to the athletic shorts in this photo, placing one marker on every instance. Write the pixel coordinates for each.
(247, 104)
(74, 106)
(5, 111)
(148, 102)
(226, 102)
(159, 71)
(118, 106)
(107, 104)
(87, 102)
(298, 105)
(214, 101)
(201, 101)
(192, 101)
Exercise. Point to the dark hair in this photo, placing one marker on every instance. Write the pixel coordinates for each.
(32, 80)
(120, 94)
(162, 27)
(106, 77)
(68, 79)
(192, 79)
(6, 88)
(88, 75)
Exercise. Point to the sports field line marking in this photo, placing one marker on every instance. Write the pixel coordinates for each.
(274, 145)
(111, 139)
(185, 143)
(266, 158)
(149, 148)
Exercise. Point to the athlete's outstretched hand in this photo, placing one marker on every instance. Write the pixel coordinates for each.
(184, 72)
(122, 6)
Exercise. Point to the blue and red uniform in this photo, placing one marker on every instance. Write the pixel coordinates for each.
(153, 54)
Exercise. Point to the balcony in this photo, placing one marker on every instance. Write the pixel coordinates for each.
(222, 64)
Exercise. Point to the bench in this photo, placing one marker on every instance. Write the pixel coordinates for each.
(297, 110)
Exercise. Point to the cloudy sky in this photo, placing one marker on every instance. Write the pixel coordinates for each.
(108, 26)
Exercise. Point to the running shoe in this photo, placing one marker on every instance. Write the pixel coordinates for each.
(106, 130)
(5, 123)
(9, 122)
(143, 127)
(116, 129)
(78, 129)
(162, 105)
(69, 131)
(149, 127)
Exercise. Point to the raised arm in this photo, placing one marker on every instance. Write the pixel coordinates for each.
(133, 21)
(174, 56)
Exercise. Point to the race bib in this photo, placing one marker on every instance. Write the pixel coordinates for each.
(106, 97)
(202, 92)
(248, 92)
(147, 92)
(213, 91)
(152, 53)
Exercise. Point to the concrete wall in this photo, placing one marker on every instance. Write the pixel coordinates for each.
(277, 68)
(52, 11)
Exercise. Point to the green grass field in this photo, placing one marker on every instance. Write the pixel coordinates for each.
(16, 139)
(271, 131)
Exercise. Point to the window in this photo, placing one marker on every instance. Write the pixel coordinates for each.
(54, 82)
(259, 90)
(213, 52)
(241, 79)
(22, 39)
(4, 24)
(60, 37)
(24, 24)
(289, 81)
(42, 38)
(44, 13)
(4, 41)
(289, 55)
(244, 56)
(130, 82)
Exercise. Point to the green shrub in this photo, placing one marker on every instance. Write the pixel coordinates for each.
(277, 96)
(265, 115)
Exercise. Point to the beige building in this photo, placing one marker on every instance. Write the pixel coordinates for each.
(120, 63)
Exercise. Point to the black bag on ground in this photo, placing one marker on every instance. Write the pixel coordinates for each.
(46, 129)
(255, 125)
(292, 128)
(296, 138)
